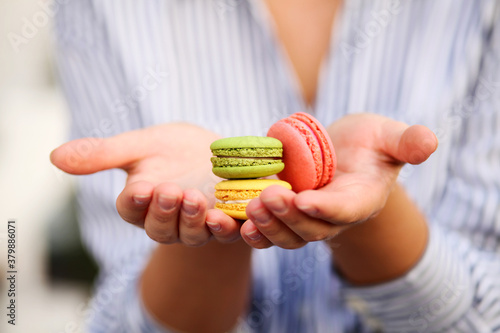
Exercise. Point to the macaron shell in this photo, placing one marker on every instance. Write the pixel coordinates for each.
(303, 163)
(312, 142)
(235, 214)
(329, 158)
(245, 142)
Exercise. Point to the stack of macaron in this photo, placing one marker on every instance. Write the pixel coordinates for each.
(297, 148)
(241, 160)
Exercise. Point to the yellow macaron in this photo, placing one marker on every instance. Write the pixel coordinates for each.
(233, 196)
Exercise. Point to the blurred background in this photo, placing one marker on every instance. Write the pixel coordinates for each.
(54, 273)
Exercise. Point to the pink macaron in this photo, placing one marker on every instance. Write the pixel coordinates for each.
(308, 152)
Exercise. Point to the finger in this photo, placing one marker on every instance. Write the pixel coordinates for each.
(271, 227)
(192, 228)
(340, 208)
(224, 228)
(90, 155)
(412, 144)
(280, 202)
(253, 237)
(161, 221)
(133, 202)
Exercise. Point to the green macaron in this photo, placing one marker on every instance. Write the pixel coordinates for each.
(247, 157)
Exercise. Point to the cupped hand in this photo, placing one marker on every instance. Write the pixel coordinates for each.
(169, 179)
(371, 150)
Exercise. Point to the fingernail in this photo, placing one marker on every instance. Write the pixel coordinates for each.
(276, 204)
(261, 216)
(190, 208)
(141, 199)
(214, 226)
(254, 235)
(309, 210)
(167, 202)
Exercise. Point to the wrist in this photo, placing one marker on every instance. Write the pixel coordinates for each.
(384, 247)
(180, 280)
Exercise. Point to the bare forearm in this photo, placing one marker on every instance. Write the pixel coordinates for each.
(386, 246)
(198, 289)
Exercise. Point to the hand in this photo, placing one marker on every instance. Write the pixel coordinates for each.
(164, 163)
(371, 150)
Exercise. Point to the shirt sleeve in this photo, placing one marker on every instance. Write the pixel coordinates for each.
(455, 287)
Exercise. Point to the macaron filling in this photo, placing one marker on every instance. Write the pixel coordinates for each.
(221, 162)
(236, 200)
(233, 202)
(248, 152)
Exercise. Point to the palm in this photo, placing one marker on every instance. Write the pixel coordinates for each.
(177, 153)
(371, 150)
(169, 177)
(365, 172)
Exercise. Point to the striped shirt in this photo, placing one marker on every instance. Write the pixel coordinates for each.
(127, 64)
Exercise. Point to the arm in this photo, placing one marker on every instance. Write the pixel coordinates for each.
(425, 276)
(385, 247)
(454, 286)
(211, 282)
(371, 149)
(446, 277)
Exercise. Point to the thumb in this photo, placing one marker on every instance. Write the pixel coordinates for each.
(90, 155)
(413, 144)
